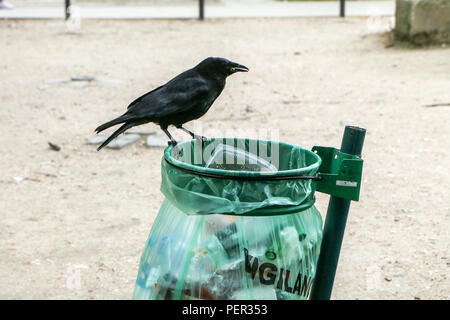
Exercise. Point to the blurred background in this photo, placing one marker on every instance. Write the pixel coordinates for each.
(74, 221)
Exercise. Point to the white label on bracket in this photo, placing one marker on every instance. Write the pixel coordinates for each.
(343, 183)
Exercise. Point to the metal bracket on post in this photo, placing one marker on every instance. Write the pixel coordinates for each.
(340, 173)
(337, 213)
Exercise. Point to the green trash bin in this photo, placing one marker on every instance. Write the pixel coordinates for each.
(238, 222)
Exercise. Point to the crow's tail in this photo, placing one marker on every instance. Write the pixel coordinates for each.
(124, 127)
(121, 119)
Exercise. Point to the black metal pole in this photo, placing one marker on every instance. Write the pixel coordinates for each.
(342, 8)
(201, 15)
(67, 5)
(333, 231)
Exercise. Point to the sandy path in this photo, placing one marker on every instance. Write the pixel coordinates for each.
(82, 210)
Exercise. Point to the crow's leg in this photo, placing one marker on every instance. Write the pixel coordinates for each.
(193, 135)
(175, 149)
(172, 140)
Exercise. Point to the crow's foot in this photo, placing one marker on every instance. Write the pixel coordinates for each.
(202, 139)
(172, 143)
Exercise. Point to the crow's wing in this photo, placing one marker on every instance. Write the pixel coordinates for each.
(141, 97)
(174, 97)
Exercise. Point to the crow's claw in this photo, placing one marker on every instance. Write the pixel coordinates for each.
(200, 138)
(172, 143)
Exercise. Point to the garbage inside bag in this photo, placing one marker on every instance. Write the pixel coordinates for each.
(261, 258)
(260, 238)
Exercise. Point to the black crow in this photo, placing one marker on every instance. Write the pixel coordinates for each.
(186, 97)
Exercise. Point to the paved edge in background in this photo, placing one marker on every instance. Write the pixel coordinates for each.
(277, 9)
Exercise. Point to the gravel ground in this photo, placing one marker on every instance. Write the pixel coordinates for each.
(78, 214)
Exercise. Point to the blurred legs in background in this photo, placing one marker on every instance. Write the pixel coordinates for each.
(5, 5)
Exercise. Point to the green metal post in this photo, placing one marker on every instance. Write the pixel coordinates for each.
(334, 228)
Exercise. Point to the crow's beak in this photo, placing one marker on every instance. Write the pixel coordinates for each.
(238, 68)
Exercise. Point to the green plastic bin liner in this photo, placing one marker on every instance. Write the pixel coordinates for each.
(238, 222)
